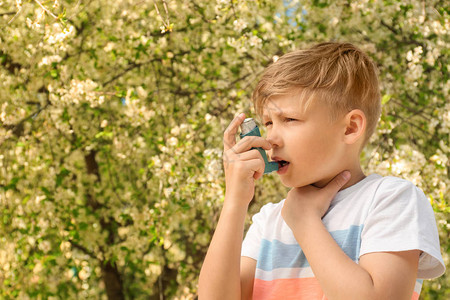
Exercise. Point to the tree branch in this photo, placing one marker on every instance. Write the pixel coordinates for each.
(135, 65)
(410, 123)
(403, 40)
(15, 16)
(45, 9)
(414, 112)
(7, 13)
(17, 129)
(83, 249)
(391, 28)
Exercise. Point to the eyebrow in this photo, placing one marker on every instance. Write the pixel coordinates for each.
(296, 113)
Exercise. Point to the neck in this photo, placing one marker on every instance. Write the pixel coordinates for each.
(357, 176)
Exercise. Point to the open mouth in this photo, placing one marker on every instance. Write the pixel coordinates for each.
(282, 163)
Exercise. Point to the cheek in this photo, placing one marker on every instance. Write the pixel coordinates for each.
(314, 146)
(309, 140)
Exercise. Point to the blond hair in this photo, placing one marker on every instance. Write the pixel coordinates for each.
(338, 74)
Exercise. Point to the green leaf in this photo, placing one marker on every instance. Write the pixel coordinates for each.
(60, 177)
(104, 134)
(26, 198)
(54, 74)
(83, 226)
(12, 184)
(385, 99)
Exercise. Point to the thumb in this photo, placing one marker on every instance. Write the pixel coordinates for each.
(338, 182)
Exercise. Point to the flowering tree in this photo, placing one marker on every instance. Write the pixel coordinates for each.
(111, 122)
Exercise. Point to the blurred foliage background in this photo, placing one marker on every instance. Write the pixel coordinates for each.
(111, 122)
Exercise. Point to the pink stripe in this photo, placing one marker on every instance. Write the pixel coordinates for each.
(294, 288)
(298, 288)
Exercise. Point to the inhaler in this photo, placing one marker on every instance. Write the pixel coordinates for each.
(249, 128)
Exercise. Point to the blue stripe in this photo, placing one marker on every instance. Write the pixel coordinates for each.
(275, 254)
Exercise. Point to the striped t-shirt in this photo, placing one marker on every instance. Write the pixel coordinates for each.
(376, 214)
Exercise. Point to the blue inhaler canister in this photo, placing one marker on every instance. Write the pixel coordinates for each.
(249, 128)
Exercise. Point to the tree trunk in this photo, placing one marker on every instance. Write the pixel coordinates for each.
(113, 282)
(110, 274)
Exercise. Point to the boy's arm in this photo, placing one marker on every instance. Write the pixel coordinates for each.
(222, 272)
(383, 275)
(248, 268)
(386, 275)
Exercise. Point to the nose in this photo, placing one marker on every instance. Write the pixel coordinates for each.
(274, 137)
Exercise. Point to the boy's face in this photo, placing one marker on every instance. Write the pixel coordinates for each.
(312, 145)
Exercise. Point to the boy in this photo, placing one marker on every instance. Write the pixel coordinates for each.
(339, 234)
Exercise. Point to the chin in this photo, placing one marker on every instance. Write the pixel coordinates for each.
(289, 184)
(316, 182)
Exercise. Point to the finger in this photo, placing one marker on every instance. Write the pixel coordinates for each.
(338, 182)
(249, 142)
(257, 167)
(251, 161)
(229, 136)
(244, 156)
(251, 154)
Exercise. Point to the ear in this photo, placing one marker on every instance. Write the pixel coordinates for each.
(355, 126)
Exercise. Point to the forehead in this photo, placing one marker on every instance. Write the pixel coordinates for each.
(285, 105)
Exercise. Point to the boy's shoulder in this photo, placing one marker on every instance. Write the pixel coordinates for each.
(397, 185)
(396, 180)
(382, 194)
(385, 180)
(375, 183)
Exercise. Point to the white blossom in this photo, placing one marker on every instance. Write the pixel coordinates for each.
(239, 25)
(48, 60)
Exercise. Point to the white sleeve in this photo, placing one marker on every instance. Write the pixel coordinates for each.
(252, 240)
(401, 219)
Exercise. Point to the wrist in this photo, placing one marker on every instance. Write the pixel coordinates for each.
(234, 212)
(232, 201)
(235, 206)
(306, 223)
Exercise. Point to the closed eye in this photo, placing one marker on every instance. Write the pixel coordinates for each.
(285, 119)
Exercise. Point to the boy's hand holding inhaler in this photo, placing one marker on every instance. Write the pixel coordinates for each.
(243, 164)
